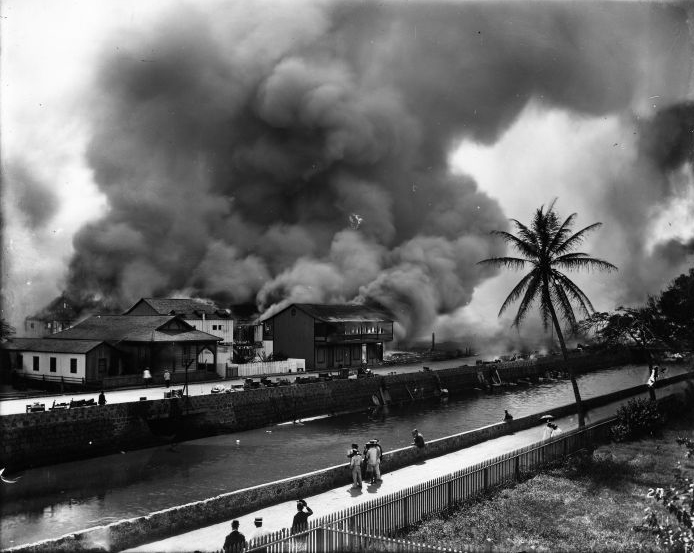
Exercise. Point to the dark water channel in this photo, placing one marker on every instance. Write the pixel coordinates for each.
(52, 501)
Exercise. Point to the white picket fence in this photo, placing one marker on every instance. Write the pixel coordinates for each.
(371, 526)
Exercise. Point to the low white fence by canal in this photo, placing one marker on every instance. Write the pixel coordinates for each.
(266, 368)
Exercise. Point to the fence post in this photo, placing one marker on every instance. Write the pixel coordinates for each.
(486, 477)
(405, 518)
(320, 541)
(450, 493)
(517, 467)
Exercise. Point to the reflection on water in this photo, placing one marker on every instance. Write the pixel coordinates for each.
(51, 501)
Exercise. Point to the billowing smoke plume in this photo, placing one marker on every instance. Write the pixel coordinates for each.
(299, 152)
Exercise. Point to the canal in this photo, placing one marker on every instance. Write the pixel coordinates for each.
(50, 501)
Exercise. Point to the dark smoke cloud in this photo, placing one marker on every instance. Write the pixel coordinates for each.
(661, 174)
(36, 201)
(300, 154)
(667, 140)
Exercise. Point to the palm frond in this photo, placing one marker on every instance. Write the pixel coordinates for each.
(565, 307)
(562, 232)
(517, 291)
(514, 263)
(528, 300)
(576, 239)
(525, 248)
(577, 261)
(575, 293)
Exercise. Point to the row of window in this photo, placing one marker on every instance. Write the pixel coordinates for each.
(53, 364)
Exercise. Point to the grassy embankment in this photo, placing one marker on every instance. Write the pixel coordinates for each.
(590, 503)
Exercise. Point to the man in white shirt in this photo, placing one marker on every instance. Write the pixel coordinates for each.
(258, 532)
(372, 459)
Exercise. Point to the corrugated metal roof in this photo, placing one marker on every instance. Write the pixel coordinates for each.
(51, 345)
(335, 313)
(187, 308)
(133, 328)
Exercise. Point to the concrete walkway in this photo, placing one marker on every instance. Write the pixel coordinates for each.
(280, 516)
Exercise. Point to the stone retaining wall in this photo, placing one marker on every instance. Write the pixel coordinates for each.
(184, 518)
(49, 437)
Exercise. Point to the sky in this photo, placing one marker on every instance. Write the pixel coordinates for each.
(324, 151)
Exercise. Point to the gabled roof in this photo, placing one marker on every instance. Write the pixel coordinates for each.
(135, 328)
(51, 345)
(186, 308)
(337, 313)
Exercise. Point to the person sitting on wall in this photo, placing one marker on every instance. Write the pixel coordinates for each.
(508, 417)
(418, 439)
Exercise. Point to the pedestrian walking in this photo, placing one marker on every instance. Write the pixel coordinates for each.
(147, 377)
(355, 460)
(551, 430)
(102, 398)
(235, 542)
(167, 378)
(258, 534)
(652, 379)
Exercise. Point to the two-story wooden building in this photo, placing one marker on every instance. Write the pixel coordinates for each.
(328, 336)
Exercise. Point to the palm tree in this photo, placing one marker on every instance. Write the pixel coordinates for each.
(546, 246)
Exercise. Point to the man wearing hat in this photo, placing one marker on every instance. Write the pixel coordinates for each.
(235, 542)
(300, 524)
(258, 533)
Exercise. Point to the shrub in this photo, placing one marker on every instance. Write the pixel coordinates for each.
(639, 417)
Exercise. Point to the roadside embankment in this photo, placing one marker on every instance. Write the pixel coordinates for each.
(43, 438)
(132, 532)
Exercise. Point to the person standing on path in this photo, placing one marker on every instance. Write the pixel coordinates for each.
(355, 466)
(102, 398)
(167, 378)
(652, 379)
(300, 524)
(380, 456)
(235, 542)
(371, 454)
(258, 533)
(146, 377)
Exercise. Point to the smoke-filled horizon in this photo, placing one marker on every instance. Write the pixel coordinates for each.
(301, 152)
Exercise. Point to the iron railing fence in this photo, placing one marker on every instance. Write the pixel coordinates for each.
(376, 524)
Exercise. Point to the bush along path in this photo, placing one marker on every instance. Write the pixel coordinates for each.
(594, 501)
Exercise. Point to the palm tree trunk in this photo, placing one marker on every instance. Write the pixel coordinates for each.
(565, 353)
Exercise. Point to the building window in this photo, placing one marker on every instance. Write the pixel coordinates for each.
(320, 357)
(32, 325)
(73, 366)
(36, 363)
(53, 366)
